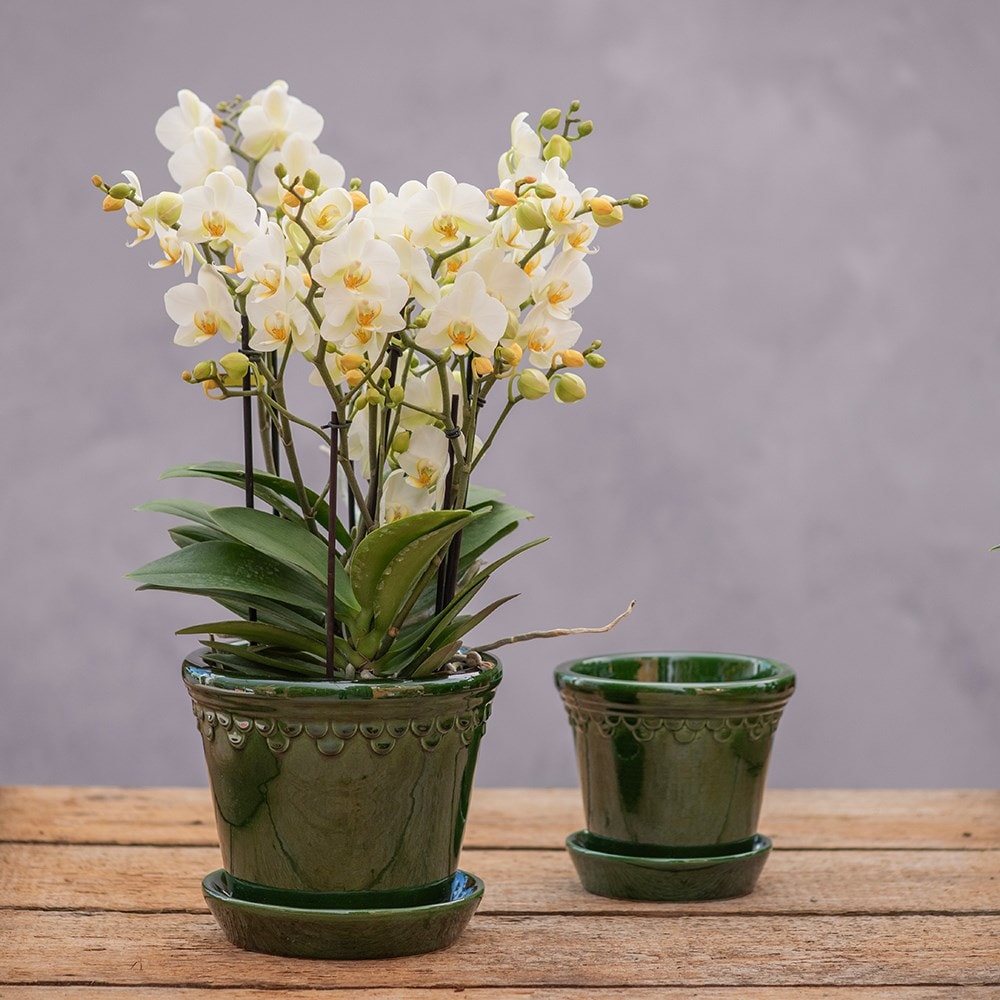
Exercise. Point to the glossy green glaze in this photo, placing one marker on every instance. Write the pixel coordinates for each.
(673, 749)
(382, 932)
(341, 787)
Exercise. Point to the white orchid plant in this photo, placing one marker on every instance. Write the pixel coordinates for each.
(409, 309)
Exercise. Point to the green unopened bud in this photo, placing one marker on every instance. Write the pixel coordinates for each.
(360, 403)
(375, 397)
(235, 363)
(355, 184)
(545, 191)
(280, 170)
(569, 388)
(168, 207)
(532, 384)
(574, 106)
(420, 322)
(596, 345)
(513, 326)
(311, 180)
(396, 394)
(401, 442)
(637, 201)
(585, 128)
(530, 214)
(595, 360)
(121, 190)
(204, 370)
(558, 147)
(550, 118)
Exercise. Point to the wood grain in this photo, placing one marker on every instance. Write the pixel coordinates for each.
(168, 879)
(612, 952)
(793, 818)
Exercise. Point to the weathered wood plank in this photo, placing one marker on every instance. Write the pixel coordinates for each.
(499, 993)
(520, 951)
(794, 818)
(145, 879)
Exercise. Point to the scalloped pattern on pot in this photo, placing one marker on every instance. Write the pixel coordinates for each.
(645, 727)
(331, 737)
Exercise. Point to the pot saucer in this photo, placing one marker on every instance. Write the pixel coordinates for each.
(680, 879)
(301, 932)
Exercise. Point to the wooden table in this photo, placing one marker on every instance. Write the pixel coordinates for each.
(868, 894)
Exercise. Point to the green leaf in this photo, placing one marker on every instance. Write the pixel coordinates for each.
(260, 632)
(496, 522)
(243, 660)
(380, 547)
(186, 534)
(232, 568)
(190, 510)
(272, 490)
(479, 496)
(274, 613)
(289, 542)
(436, 660)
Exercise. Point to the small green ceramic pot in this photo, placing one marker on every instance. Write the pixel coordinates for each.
(337, 797)
(673, 750)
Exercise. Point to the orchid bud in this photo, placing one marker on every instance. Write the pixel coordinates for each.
(168, 207)
(236, 364)
(354, 377)
(280, 171)
(532, 384)
(530, 214)
(574, 106)
(612, 218)
(121, 190)
(558, 146)
(482, 367)
(204, 370)
(573, 359)
(358, 200)
(511, 354)
(311, 180)
(599, 205)
(401, 442)
(112, 204)
(501, 196)
(187, 376)
(596, 360)
(419, 322)
(545, 191)
(97, 180)
(585, 128)
(349, 362)
(551, 118)
(637, 201)
(375, 397)
(569, 388)
(396, 395)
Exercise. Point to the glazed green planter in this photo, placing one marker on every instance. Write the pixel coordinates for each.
(338, 800)
(673, 750)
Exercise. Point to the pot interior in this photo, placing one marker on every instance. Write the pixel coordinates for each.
(678, 668)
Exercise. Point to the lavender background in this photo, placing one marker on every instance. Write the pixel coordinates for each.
(792, 451)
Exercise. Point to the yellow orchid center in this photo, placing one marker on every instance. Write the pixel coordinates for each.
(558, 292)
(269, 277)
(461, 332)
(579, 237)
(447, 226)
(328, 217)
(427, 474)
(561, 209)
(139, 224)
(539, 340)
(367, 312)
(207, 320)
(214, 223)
(277, 326)
(356, 274)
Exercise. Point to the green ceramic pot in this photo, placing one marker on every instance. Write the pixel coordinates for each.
(673, 750)
(338, 797)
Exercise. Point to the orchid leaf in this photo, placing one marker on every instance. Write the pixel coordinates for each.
(232, 568)
(258, 632)
(288, 542)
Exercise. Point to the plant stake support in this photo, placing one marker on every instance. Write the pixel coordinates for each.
(248, 480)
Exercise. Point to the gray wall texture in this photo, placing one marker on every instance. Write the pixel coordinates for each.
(792, 451)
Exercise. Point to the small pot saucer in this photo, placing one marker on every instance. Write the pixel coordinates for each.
(301, 932)
(666, 879)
